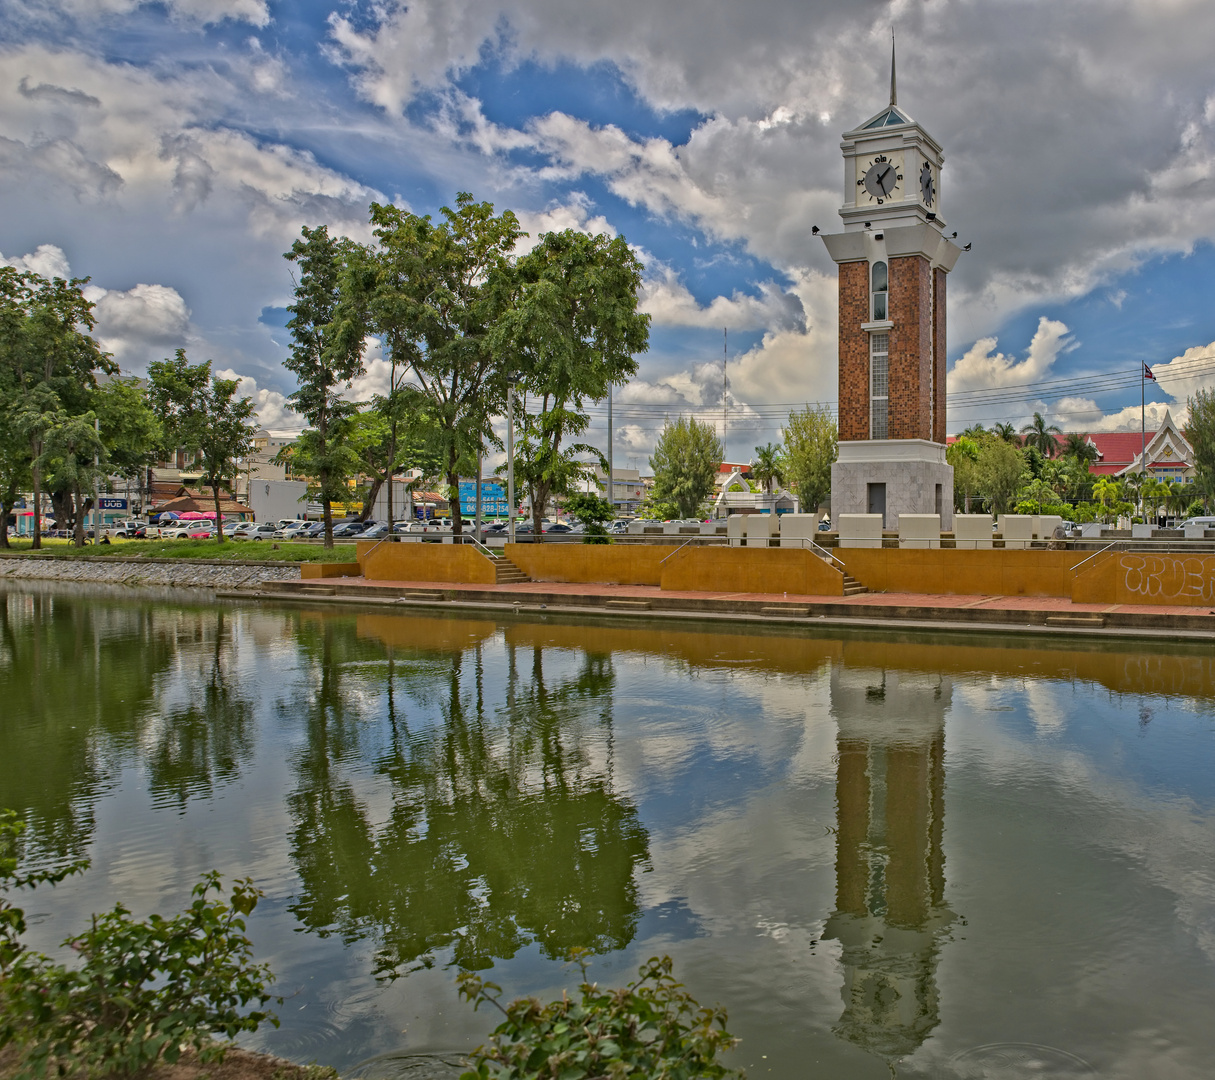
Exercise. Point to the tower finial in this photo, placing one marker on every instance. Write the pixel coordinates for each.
(894, 96)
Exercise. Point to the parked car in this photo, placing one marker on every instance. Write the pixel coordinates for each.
(265, 531)
(1205, 522)
(289, 531)
(313, 528)
(559, 527)
(348, 528)
(375, 532)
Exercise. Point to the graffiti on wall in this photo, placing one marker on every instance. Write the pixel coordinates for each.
(1175, 579)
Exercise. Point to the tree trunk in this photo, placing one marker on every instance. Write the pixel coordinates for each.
(78, 525)
(453, 484)
(539, 494)
(219, 520)
(35, 447)
(326, 510)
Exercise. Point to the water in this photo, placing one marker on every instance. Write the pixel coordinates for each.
(949, 857)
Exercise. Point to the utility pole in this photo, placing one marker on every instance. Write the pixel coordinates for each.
(611, 476)
(97, 485)
(725, 391)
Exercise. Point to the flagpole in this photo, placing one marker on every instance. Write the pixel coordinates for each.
(1142, 435)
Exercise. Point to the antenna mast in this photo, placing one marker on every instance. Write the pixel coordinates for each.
(725, 390)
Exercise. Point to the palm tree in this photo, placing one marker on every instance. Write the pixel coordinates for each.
(977, 432)
(1008, 433)
(1106, 490)
(768, 467)
(1041, 435)
(1078, 447)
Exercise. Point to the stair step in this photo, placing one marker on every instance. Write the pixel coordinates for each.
(852, 587)
(788, 610)
(629, 605)
(422, 594)
(1088, 622)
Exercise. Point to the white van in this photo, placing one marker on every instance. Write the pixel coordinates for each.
(1203, 522)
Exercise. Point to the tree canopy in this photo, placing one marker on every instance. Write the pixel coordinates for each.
(686, 459)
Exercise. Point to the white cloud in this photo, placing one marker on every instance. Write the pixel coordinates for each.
(670, 303)
(46, 259)
(272, 408)
(204, 12)
(140, 324)
(982, 367)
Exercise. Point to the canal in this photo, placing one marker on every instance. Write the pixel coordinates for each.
(950, 856)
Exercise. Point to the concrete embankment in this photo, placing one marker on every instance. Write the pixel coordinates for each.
(171, 573)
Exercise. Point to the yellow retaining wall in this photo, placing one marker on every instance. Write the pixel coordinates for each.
(617, 564)
(945, 571)
(457, 563)
(1129, 578)
(753, 570)
(329, 569)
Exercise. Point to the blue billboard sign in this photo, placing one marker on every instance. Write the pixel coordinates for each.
(493, 498)
(109, 502)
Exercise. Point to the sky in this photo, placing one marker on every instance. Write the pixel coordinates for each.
(171, 151)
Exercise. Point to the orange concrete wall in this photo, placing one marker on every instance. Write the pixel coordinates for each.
(457, 563)
(944, 571)
(329, 569)
(1127, 578)
(618, 564)
(754, 570)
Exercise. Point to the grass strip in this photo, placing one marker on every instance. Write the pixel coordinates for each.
(230, 550)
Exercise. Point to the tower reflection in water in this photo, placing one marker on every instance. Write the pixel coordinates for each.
(890, 914)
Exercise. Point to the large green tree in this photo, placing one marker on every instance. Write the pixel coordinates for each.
(326, 357)
(433, 292)
(49, 363)
(811, 447)
(1200, 433)
(203, 415)
(570, 333)
(686, 460)
(1000, 472)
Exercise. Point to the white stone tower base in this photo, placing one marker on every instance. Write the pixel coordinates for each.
(916, 476)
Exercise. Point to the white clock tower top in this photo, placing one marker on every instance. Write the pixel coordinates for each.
(892, 170)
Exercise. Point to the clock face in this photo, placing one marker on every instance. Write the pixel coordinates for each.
(928, 187)
(881, 179)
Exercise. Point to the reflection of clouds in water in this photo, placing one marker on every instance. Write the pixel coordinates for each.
(1168, 836)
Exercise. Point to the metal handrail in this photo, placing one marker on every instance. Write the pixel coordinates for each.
(722, 541)
(1099, 551)
(481, 546)
(688, 541)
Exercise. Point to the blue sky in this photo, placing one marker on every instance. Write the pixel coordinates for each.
(171, 151)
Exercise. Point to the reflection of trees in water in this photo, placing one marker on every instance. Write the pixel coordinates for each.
(202, 744)
(503, 828)
(83, 682)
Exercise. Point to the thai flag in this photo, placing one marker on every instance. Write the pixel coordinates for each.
(1147, 373)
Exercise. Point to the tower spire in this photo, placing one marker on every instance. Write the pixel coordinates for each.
(894, 97)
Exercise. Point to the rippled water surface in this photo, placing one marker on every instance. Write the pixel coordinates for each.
(926, 857)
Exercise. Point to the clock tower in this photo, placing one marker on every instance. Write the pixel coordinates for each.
(893, 259)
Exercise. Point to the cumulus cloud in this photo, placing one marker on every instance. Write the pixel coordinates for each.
(139, 324)
(981, 366)
(777, 89)
(272, 409)
(46, 259)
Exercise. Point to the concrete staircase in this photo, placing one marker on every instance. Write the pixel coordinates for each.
(852, 587)
(506, 572)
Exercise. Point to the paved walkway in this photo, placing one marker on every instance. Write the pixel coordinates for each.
(938, 605)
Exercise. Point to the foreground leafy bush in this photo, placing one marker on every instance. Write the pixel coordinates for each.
(651, 1028)
(144, 990)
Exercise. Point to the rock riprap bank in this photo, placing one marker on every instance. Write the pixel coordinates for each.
(172, 573)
